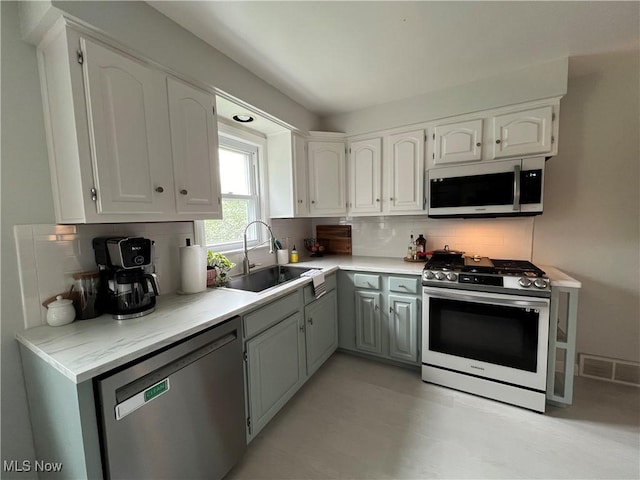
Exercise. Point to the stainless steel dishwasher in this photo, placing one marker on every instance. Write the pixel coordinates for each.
(179, 413)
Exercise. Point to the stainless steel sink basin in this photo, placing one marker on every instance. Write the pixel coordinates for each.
(266, 278)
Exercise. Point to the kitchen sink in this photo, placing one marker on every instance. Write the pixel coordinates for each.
(266, 278)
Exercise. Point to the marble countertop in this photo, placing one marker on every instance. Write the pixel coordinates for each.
(87, 348)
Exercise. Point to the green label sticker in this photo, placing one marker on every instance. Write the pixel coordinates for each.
(155, 390)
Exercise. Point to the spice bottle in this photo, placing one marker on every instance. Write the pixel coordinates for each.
(421, 245)
(411, 249)
(294, 255)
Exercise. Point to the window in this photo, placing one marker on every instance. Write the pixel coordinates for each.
(240, 197)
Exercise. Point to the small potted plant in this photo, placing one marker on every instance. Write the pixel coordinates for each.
(218, 267)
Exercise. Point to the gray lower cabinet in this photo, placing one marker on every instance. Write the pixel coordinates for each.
(286, 342)
(403, 328)
(379, 315)
(321, 330)
(275, 369)
(368, 321)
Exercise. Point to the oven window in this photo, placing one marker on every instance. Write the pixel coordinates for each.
(506, 336)
(472, 190)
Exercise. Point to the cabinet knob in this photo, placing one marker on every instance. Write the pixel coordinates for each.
(313, 201)
(391, 198)
(377, 199)
(478, 144)
(183, 192)
(498, 141)
(159, 189)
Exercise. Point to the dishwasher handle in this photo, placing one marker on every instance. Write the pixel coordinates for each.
(154, 378)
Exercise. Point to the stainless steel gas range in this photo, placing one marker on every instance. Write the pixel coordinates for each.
(486, 327)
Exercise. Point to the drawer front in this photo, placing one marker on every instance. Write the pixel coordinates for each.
(269, 315)
(363, 280)
(403, 284)
(309, 295)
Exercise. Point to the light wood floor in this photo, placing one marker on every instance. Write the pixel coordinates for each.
(357, 418)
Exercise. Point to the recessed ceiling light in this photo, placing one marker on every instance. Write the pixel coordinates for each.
(243, 118)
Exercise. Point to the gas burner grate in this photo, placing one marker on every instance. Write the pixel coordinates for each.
(516, 267)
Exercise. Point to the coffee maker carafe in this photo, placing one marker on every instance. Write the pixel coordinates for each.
(128, 286)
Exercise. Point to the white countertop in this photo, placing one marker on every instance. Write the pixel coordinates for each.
(87, 348)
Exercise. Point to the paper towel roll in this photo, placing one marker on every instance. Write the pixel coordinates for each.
(193, 269)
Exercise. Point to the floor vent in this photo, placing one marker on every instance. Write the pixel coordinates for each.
(609, 369)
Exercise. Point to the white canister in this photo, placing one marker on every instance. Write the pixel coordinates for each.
(60, 312)
(282, 257)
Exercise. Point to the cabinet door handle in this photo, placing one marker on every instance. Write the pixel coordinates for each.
(498, 141)
(377, 199)
(183, 192)
(377, 307)
(159, 189)
(310, 321)
(313, 201)
(302, 327)
(478, 144)
(391, 198)
(390, 309)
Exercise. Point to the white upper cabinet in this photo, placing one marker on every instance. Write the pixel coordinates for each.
(300, 175)
(365, 176)
(526, 132)
(327, 183)
(128, 126)
(194, 143)
(458, 142)
(404, 172)
(127, 142)
(288, 177)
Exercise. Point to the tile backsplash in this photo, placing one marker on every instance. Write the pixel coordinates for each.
(389, 236)
(49, 255)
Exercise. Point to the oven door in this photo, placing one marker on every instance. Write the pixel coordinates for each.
(495, 336)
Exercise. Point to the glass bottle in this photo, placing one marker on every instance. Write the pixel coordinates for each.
(411, 249)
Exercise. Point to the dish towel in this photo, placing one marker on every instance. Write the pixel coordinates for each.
(317, 277)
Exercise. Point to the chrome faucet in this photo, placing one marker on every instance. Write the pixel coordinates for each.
(246, 266)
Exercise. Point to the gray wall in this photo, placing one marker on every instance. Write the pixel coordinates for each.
(535, 82)
(591, 222)
(26, 198)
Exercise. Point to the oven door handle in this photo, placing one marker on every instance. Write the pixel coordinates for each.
(484, 297)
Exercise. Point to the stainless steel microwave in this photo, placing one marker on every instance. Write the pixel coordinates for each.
(504, 188)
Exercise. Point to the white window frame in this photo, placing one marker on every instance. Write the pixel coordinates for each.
(234, 139)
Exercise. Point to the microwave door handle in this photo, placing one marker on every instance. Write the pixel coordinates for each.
(516, 188)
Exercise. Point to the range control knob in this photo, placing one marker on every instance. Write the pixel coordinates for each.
(452, 277)
(525, 282)
(541, 283)
(440, 276)
(428, 275)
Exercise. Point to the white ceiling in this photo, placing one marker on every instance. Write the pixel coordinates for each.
(337, 57)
